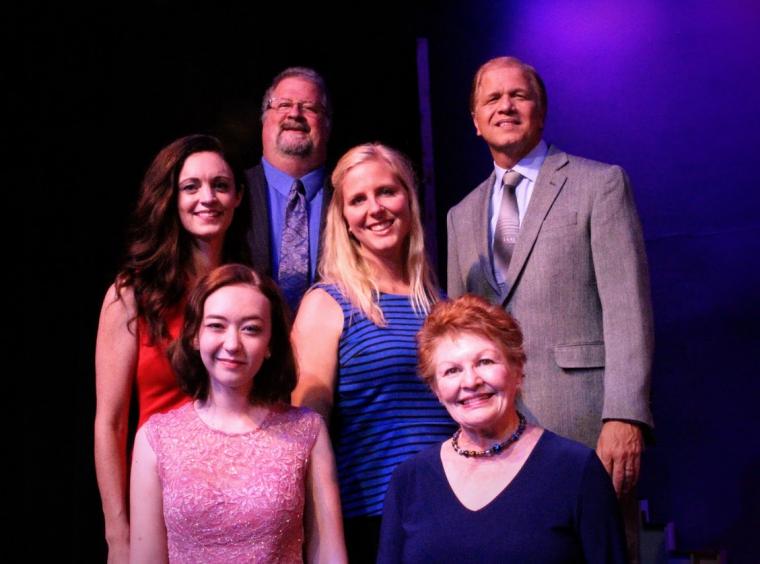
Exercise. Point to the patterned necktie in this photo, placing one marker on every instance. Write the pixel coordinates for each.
(293, 273)
(508, 225)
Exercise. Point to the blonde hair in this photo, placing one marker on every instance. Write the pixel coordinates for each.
(342, 263)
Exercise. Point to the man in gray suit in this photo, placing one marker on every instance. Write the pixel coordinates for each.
(560, 246)
(296, 118)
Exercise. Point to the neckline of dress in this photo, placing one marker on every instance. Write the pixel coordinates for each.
(501, 492)
(394, 295)
(261, 426)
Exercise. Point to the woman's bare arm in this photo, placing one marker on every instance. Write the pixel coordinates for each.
(323, 521)
(115, 362)
(148, 531)
(315, 336)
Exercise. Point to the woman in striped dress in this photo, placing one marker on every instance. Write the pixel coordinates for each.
(354, 335)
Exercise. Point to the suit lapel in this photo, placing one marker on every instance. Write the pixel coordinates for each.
(326, 197)
(550, 180)
(258, 235)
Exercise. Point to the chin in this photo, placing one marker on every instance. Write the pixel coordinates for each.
(302, 148)
(207, 236)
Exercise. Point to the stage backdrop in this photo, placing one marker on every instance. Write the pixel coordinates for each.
(667, 90)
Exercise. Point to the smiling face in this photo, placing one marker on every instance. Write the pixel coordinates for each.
(207, 195)
(234, 336)
(475, 383)
(376, 209)
(295, 124)
(507, 113)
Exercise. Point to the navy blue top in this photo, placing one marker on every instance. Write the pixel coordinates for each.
(383, 412)
(560, 507)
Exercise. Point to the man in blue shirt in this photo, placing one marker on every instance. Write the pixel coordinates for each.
(289, 190)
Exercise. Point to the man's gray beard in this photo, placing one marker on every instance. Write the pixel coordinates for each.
(302, 148)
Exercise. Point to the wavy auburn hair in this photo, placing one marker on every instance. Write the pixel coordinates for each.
(277, 376)
(158, 262)
(342, 263)
(469, 314)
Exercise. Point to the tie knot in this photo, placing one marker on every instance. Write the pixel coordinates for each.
(511, 179)
(297, 188)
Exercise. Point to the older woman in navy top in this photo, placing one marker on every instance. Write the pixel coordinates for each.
(354, 335)
(510, 492)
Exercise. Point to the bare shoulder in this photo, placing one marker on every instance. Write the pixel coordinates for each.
(318, 310)
(119, 302)
(321, 446)
(116, 344)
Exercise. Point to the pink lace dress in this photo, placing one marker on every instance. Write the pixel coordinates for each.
(233, 497)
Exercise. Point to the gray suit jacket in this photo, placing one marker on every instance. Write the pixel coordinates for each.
(258, 236)
(578, 284)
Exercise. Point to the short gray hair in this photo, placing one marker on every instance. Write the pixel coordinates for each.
(307, 74)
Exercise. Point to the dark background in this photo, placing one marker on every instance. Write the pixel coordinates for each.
(667, 90)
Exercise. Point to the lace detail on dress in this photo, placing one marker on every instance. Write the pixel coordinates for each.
(233, 497)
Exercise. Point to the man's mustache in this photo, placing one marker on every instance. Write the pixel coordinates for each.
(294, 125)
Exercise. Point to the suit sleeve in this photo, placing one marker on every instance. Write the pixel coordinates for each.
(456, 285)
(622, 276)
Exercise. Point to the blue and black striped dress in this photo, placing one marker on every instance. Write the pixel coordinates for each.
(383, 412)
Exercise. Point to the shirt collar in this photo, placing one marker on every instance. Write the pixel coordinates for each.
(528, 166)
(281, 182)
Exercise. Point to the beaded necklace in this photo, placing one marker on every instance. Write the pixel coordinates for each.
(495, 449)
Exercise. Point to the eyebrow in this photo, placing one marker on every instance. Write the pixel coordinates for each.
(248, 318)
(214, 177)
(479, 353)
(498, 92)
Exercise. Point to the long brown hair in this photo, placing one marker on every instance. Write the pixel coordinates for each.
(158, 262)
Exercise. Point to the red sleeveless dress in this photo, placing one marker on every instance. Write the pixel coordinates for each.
(157, 388)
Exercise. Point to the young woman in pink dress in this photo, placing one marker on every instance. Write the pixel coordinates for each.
(238, 474)
(182, 227)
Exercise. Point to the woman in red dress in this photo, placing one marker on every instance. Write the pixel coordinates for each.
(182, 228)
